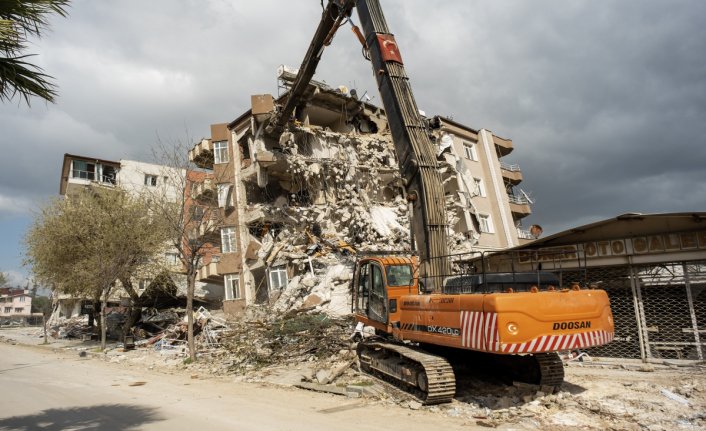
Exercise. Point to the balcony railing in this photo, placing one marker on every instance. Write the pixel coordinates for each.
(509, 167)
(519, 200)
(524, 234)
(91, 176)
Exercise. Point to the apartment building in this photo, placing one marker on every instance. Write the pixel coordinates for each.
(15, 302)
(332, 181)
(490, 204)
(138, 178)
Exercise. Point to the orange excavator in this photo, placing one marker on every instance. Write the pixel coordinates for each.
(423, 313)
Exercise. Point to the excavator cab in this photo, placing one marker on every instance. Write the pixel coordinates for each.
(378, 282)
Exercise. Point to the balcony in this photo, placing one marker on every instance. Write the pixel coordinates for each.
(520, 205)
(503, 145)
(205, 192)
(511, 173)
(202, 154)
(524, 234)
(209, 273)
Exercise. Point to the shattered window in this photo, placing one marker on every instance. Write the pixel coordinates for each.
(399, 275)
(232, 286)
(469, 151)
(278, 277)
(485, 224)
(220, 152)
(228, 240)
(109, 175)
(480, 189)
(378, 286)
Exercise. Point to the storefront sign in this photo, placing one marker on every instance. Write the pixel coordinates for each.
(650, 244)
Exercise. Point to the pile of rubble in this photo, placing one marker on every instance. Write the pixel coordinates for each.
(289, 338)
(74, 327)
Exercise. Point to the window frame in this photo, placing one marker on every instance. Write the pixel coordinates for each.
(231, 285)
(469, 151)
(279, 271)
(228, 237)
(224, 200)
(478, 182)
(485, 223)
(150, 180)
(89, 175)
(220, 152)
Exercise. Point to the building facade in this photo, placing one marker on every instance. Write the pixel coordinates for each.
(332, 181)
(15, 303)
(141, 179)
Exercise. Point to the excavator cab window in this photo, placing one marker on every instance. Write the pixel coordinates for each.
(362, 288)
(377, 306)
(399, 275)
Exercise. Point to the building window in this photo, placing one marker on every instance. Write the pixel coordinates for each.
(480, 188)
(83, 170)
(197, 213)
(220, 152)
(278, 277)
(485, 224)
(469, 151)
(232, 286)
(150, 180)
(22, 298)
(19, 310)
(8, 310)
(228, 240)
(224, 200)
(143, 284)
(172, 258)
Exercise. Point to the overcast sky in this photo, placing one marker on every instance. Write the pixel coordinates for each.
(605, 101)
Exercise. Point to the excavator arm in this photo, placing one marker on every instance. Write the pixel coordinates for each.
(416, 153)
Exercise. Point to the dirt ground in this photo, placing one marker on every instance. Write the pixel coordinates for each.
(596, 395)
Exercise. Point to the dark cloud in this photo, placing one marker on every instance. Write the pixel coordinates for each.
(605, 101)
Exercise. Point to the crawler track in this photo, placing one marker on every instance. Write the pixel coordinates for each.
(551, 369)
(427, 376)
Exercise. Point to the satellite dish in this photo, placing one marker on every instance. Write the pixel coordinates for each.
(536, 231)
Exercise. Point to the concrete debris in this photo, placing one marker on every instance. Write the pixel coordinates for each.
(331, 389)
(322, 194)
(297, 345)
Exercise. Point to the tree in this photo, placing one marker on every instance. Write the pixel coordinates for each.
(20, 19)
(191, 223)
(41, 304)
(84, 243)
(3, 279)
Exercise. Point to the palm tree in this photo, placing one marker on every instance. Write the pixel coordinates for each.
(20, 19)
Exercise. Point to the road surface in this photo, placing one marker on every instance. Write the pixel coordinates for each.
(58, 390)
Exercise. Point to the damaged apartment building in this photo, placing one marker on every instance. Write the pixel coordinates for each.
(137, 178)
(299, 203)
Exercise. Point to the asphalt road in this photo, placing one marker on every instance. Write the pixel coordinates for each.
(57, 390)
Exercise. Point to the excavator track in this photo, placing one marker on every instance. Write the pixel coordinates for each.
(551, 369)
(426, 376)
